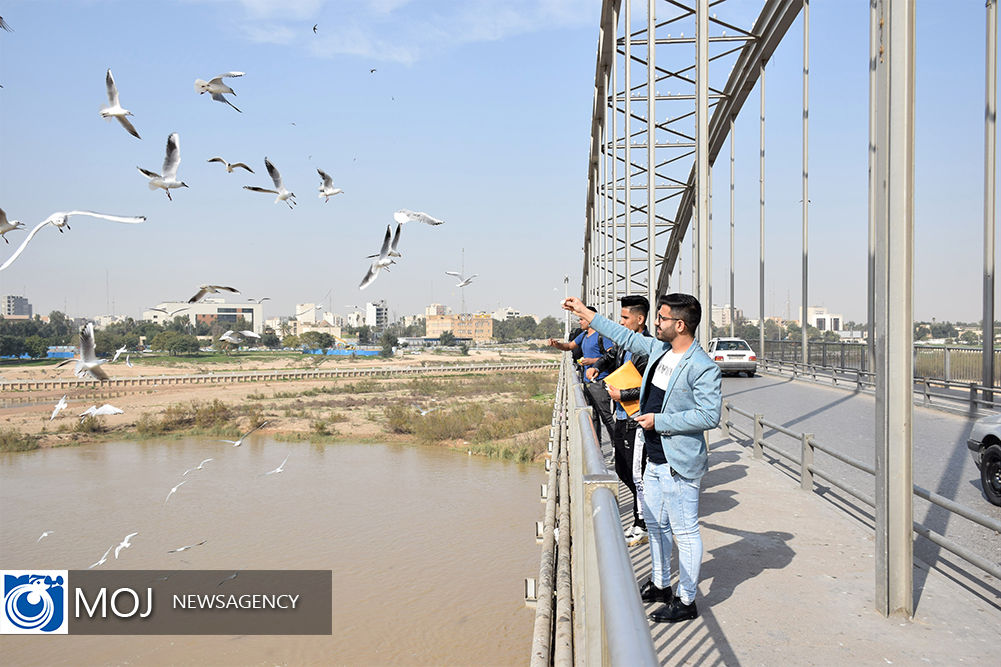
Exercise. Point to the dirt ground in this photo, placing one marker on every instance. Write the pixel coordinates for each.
(356, 417)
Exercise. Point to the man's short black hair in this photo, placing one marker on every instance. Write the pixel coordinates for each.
(636, 303)
(683, 306)
(592, 309)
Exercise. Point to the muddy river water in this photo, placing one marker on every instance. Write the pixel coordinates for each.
(428, 548)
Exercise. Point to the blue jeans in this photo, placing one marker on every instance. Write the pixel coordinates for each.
(671, 509)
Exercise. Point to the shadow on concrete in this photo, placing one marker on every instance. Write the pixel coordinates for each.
(698, 642)
(744, 559)
(756, 388)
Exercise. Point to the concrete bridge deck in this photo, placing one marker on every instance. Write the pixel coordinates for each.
(788, 576)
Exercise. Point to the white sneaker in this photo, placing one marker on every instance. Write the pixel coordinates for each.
(638, 536)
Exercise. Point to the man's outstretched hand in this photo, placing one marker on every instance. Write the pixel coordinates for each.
(577, 307)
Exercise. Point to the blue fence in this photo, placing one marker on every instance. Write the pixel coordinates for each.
(337, 352)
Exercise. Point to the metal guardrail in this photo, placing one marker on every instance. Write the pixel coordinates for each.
(807, 470)
(968, 397)
(605, 621)
(264, 376)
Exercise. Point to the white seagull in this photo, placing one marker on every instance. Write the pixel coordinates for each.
(124, 544)
(463, 281)
(114, 108)
(127, 362)
(8, 226)
(104, 558)
(172, 492)
(171, 313)
(61, 405)
(216, 87)
(45, 534)
(168, 179)
(283, 194)
(424, 411)
(106, 409)
(198, 467)
(59, 220)
(205, 289)
(249, 334)
(231, 337)
(237, 443)
(382, 261)
(404, 216)
(327, 189)
(231, 166)
(280, 468)
(393, 251)
(88, 365)
(118, 353)
(180, 549)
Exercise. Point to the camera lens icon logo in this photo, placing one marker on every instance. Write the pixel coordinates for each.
(34, 602)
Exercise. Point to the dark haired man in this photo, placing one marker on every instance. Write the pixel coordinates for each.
(680, 398)
(633, 316)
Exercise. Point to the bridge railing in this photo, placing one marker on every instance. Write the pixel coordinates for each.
(599, 618)
(968, 397)
(808, 470)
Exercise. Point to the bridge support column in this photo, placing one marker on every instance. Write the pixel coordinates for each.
(893, 21)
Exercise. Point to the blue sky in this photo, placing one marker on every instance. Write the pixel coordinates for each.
(478, 113)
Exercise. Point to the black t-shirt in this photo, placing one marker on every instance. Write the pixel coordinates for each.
(651, 405)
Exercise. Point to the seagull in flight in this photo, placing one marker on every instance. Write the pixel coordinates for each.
(45, 534)
(5, 25)
(124, 544)
(424, 411)
(168, 180)
(229, 578)
(216, 87)
(249, 334)
(314, 27)
(61, 405)
(88, 365)
(198, 467)
(8, 226)
(231, 166)
(393, 252)
(280, 468)
(463, 281)
(106, 409)
(172, 491)
(237, 443)
(327, 189)
(104, 558)
(61, 219)
(283, 194)
(404, 216)
(262, 299)
(215, 289)
(382, 261)
(231, 337)
(127, 362)
(371, 71)
(190, 546)
(114, 108)
(171, 313)
(118, 353)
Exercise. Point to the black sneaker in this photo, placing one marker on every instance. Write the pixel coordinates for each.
(675, 611)
(650, 593)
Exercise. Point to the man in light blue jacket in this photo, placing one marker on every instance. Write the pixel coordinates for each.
(680, 398)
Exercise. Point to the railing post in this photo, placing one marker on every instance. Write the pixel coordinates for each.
(973, 398)
(759, 435)
(724, 421)
(948, 365)
(805, 461)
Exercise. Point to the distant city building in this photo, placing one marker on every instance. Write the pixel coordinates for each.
(333, 318)
(819, 317)
(322, 327)
(376, 314)
(436, 309)
(16, 305)
(479, 327)
(355, 319)
(102, 321)
(504, 314)
(307, 312)
(412, 320)
(721, 315)
(275, 324)
(209, 311)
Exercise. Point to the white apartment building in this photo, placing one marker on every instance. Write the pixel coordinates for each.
(377, 314)
(721, 315)
(506, 313)
(307, 312)
(823, 319)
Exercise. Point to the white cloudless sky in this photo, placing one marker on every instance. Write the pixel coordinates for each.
(478, 113)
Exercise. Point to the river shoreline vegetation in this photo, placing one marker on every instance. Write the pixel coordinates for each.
(501, 415)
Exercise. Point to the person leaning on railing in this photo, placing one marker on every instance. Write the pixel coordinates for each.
(630, 461)
(680, 398)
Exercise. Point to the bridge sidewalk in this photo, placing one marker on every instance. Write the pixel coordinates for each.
(787, 578)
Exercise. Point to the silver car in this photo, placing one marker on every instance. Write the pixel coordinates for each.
(985, 445)
(733, 355)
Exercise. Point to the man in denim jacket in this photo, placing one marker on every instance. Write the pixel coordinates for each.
(680, 399)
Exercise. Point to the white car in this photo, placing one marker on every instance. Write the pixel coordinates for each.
(985, 445)
(733, 355)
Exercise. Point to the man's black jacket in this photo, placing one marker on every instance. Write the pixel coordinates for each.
(614, 358)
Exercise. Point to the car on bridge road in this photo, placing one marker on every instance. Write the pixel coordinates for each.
(985, 444)
(733, 355)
